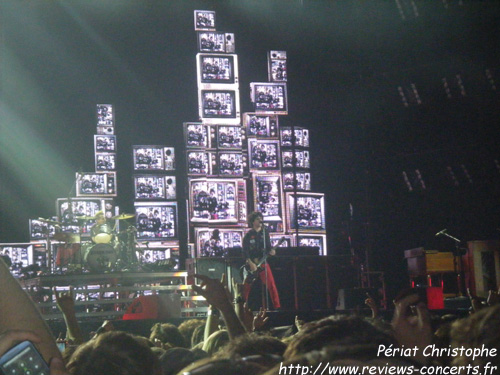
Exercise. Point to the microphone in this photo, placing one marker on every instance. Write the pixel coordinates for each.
(441, 232)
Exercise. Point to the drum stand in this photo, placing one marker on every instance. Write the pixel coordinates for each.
(49, 253)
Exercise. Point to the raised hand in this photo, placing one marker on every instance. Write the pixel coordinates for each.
(412, 326)
(260, 319)
(65, 301)
(213, 290)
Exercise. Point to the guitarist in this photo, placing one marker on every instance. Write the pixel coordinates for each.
(256, 248)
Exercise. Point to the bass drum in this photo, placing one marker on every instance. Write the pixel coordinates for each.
(104, 234)
(101, 257)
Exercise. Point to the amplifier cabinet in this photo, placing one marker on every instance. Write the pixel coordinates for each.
(482, 266)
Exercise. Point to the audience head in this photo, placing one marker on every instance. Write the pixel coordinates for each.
(480, 328)
(211, 366)
(216, 341)
(187, 328)
(168, 334)
(336, 330)
(253, 344)
(114, 353)
(175, 359)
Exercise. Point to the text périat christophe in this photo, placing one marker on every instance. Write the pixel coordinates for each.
(434, 351)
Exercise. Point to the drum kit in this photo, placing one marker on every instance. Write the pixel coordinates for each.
(107, 251)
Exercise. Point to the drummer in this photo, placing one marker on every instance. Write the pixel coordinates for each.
(100, 219)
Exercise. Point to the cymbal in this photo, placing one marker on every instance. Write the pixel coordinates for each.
(123, 217)
(49, 221)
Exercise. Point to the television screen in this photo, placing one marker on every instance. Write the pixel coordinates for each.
(277, 70)
(263, 154)
(20, 256)
(199, 162)
(214, 242)
(39, 256)
(104, 143)
(313, 241)
(105, 115)
(148, 158)
(263, 126)
(39, 230)
(275, 226)
(301, 137)
(229, 137)
(269, 97)
(231, 164)
(105, 162)
(155, 187)
(196, 135)
(204, 20)
(301, 159)
(156, 220)
(219, 104)
(303, 180)
(286, 240)
(153, 255)
(96, 184)
(73, 217)
(310, 214)
(211, 41)
(214, 200)
(217, 69)
(267, 196)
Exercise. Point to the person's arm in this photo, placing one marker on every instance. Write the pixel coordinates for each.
(212, 322)
(18, 312)
(217, 295)
(239, 302)
(66, 304)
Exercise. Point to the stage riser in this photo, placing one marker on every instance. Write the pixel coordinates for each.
(304, 283)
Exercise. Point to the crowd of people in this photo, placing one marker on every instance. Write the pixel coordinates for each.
(234, 340)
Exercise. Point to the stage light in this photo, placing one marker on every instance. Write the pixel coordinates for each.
(407, 181)
(407, 8)
(466, 173)
(446, 88)
(403, 96)
(452, 176)
(490, 79)
(460, 84)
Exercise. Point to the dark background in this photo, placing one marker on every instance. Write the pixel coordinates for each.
(346, 61)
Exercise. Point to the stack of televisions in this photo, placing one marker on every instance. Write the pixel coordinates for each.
(238, 164)
(61, 241)
(156, 208)
(235, 164)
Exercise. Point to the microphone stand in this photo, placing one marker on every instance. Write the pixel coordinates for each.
(265, 267)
